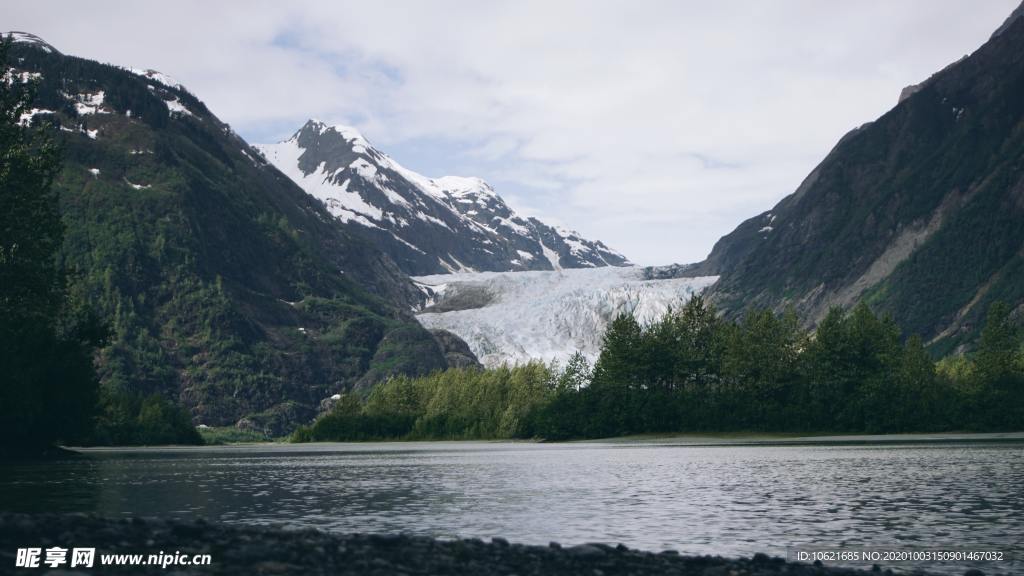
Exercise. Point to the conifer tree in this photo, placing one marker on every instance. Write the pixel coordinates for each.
(999, 368)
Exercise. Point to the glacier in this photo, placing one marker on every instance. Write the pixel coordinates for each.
(515, 317)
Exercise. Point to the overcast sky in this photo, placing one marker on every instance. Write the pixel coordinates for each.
(656, 127)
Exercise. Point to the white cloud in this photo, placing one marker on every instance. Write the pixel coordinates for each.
(654, 126)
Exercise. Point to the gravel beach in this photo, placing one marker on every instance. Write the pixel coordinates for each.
(251, 550)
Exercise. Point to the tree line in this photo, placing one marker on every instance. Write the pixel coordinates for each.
(695, 371)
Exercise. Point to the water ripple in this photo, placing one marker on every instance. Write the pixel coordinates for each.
(727, 500)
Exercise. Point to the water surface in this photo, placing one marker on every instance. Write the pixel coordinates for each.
(727, 500)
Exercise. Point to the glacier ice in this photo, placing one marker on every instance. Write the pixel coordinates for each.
(547, 315)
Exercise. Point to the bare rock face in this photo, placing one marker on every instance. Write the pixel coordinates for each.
(908, 91)
(456, 351)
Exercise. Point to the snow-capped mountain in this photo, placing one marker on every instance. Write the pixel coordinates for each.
(514, 317)
(427, 225)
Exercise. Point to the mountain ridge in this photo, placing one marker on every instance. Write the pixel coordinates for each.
(427, 225)
(918, 213)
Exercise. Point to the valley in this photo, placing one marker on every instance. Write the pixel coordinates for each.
(280, 346)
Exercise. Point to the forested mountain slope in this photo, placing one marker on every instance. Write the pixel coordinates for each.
(919, 213)
(227, 287)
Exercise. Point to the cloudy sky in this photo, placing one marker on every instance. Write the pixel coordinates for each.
(654, 126)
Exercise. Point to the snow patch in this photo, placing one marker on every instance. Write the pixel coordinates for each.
(80, 130)
(157, 77)
(350, 134)
(26, 118)
(552, 256)
(138, 186)
(364, 169)
(512, 225)
(456, 268)
(86, 104)
(174, 106)
(345, 205)
(460, 267)
(432, 219)
(26, 38)
(576, 247)
(255, 161)
(13, 75)
(403, 241)
(459, 186)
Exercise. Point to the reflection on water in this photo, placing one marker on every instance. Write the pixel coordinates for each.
(729, 500)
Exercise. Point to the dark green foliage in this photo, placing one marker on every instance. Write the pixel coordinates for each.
(48, 384)
(617, 376)
(228, 290)
(692, 371)
(760, 368)
(1000, 369)
(696, 372)
(849, 366)
(128, 419)
(345, 421)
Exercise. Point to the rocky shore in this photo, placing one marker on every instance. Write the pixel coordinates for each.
(247, 550)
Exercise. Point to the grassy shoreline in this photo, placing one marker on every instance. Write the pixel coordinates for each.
(679, 440)
(772, 439)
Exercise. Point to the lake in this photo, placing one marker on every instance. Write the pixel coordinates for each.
(698, 499)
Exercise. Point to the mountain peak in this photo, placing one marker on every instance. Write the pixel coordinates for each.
(350, 134)
(29, 38)
(427, 225)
